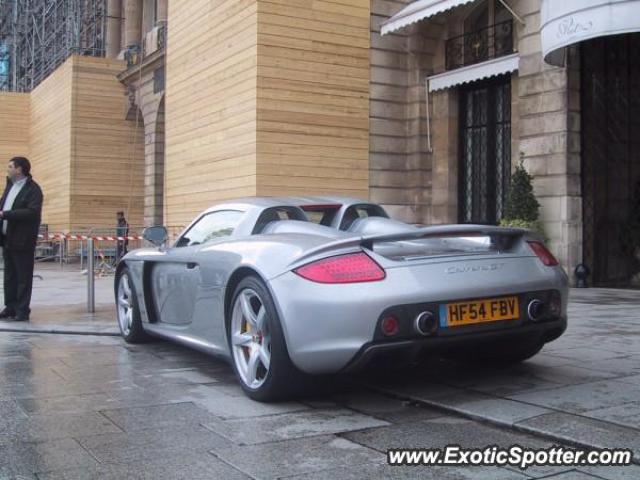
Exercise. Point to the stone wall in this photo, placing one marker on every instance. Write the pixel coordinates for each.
(422, 186)
(400, 163)
(549, 129)
(444, 126)
(151, 120)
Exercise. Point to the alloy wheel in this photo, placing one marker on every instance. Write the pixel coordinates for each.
(125, 305)
(250, 338)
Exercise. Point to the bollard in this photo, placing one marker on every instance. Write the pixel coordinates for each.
(91, 304)
(581, 272)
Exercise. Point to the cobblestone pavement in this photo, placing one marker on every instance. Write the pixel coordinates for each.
(84, 407)
(583, 388)
(89, 406)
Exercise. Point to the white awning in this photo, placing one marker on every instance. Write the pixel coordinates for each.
(567, 22)
(471, 73)
(417, 11)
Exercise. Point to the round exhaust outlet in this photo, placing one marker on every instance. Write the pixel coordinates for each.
(535, 310)
(426, 323)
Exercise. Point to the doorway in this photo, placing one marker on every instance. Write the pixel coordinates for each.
(610, 111)
(485, 150)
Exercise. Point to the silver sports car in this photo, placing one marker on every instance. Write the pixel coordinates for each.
(287, 287)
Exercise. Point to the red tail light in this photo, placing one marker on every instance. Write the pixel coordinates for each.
(543, 254)
(350, 268)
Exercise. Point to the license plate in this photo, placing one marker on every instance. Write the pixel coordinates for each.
(479, 311)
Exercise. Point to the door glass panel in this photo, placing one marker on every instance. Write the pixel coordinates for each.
(485, 135)
(211, 227)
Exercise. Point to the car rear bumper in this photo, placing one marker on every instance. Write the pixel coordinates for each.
(414, 348)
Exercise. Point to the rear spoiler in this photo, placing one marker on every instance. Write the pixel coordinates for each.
(500, 235)
(503, 237)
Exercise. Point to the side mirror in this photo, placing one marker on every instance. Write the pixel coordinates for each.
(157, 235)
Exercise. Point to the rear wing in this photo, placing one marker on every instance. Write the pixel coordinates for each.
(502, 237)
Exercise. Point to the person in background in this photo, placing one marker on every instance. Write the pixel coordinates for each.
(122, 230)
(21, 209)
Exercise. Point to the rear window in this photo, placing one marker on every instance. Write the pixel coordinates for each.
(316, 216)
(440, 246)
(321, 214)
(276, 214)
(355, 212)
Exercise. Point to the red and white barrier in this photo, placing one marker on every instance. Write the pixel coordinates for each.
(63, 236)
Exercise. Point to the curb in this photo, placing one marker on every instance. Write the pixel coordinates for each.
(60, 331)
(635, 459)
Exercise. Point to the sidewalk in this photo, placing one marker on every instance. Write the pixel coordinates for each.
(59, 303)
(582, 389)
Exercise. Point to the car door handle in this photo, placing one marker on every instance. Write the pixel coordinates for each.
(191, 265)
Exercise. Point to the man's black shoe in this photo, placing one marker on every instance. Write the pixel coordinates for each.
(7, 313)
(21, 317)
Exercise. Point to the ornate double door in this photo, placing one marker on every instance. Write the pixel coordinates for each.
(610, 126)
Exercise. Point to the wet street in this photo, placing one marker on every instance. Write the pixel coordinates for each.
(82, 407)
(90, 406)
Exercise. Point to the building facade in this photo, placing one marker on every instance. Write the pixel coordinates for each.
(424, 106)
(551, 84)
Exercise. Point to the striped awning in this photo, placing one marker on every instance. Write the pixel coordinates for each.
(417, 11)
(471, 73)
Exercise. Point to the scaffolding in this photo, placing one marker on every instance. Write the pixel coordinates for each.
(36, 36)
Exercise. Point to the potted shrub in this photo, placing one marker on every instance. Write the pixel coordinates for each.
(521, 209)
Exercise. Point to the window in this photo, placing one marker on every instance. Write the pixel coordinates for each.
(485, 154)
(476, 45)
(361, 211)
(488, 33)
(276, 214)
(211, 227)
(321, 214)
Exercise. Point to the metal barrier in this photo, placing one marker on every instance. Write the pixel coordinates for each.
(96, 250)
(91, 290)
(102, 250)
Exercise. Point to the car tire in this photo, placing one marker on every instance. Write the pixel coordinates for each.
(128, 310)
(257, 345)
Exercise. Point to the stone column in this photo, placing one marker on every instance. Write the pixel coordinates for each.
(114, 13)
(163, 11)
(400, 165)
(132, 22)
(549, 138)
(154, 164)
(444, 131)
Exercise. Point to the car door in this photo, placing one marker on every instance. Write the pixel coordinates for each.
(176, 280)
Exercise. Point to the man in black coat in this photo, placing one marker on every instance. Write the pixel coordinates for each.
(20, 211)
